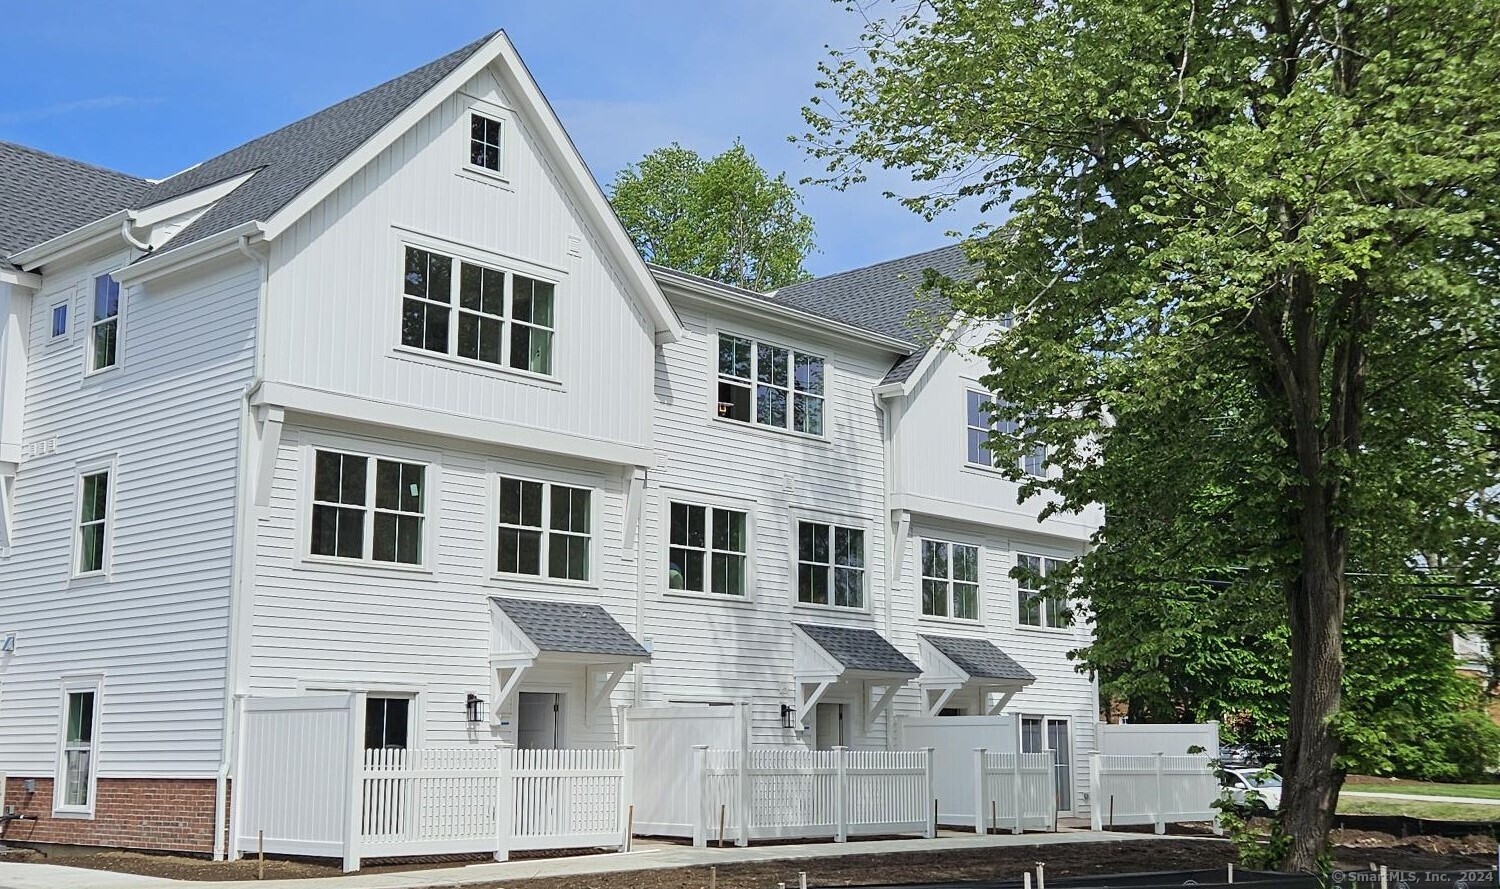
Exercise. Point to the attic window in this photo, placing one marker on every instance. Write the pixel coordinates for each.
(484, 142)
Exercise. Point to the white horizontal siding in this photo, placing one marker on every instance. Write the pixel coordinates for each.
(157, 628)
(711, 649)
(326, 626)
(336, 286)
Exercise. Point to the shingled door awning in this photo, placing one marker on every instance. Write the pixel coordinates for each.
(532, 631)
(824, 655)
(960, 663)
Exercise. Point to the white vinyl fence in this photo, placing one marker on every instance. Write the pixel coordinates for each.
(1152, 789)
(791, 792)
(664, 738)
(1014, 790)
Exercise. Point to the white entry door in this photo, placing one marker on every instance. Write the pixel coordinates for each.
(539, 721)
(1043, 733)
(829, 730)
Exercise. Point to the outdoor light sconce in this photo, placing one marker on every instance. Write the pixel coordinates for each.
(474, 707)
(788, 716)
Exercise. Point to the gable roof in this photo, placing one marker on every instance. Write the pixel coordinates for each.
(980, 658)
(288, 161)
(43, 196)
(863, 650)
(571, 627)
(884, 298)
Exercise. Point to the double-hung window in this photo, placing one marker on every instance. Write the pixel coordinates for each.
(709, 548)
(93, 522)
(544, 525)
(1036, 607)
(830, 565)
(372, 513)
(104, 332)
(466, 315)
(981, 422)
(770, 385)
(950, 580)
(79, 747)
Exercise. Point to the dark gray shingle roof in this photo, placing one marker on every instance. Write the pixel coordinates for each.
(292, 158)
(864, 650)
(884, 298)
(979, 658)
(43, 196)
(573, 627)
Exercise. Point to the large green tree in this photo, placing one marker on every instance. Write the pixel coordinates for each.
(1252, 253)
(722, 217)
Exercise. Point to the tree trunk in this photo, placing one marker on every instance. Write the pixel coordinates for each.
(1316, 608)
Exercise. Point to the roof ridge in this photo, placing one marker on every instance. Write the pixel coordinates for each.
(466, 51)
(74, 161)
(867, 268)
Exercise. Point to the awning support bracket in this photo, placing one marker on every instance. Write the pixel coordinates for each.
(882, 703)
(806, 702)
(601, 682)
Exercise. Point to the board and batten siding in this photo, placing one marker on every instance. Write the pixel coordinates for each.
(156, 628)
(336, 284)
(930, 459)
(321, 625)
(719, 649)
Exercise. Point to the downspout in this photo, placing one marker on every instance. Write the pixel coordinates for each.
(130, 238)
(243, 527)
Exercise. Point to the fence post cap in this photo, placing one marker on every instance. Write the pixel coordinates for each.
(700, 746)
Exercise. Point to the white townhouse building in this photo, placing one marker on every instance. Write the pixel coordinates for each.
(386, 402)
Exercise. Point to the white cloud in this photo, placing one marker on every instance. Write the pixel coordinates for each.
(64, 109)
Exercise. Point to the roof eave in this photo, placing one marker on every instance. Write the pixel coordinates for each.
(158, 264)
(710, 291)
(85, 237)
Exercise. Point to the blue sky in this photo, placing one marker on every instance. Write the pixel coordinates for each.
(153, 88)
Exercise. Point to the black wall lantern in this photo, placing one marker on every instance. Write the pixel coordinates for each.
(474, 708)
(788, 716)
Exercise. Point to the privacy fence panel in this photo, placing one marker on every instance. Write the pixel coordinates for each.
(664, 738)
(1017, 791)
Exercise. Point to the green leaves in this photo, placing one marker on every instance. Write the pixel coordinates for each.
(722, 218)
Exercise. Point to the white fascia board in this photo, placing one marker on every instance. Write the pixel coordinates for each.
(368, 411)
(1058, 526)
(152, 214)
(100, 231)
(554, 141)
(939, 670)
(757, 307)
(172, 260)
(18, 278)
(945, 340)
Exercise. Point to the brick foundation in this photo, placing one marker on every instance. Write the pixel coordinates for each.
(166, 814)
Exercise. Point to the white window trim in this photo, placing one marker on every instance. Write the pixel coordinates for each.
(506, 120)
(1065, 629)
(509, 267)
(493, 555)
(794, 561)
(970, 386)
(63, 301)
(7, 513)
(668, 496)
(110, 466)
(89, 370)
(978, 619)
(712, 401)
(306, 479)
(414, 691)
(69, 685)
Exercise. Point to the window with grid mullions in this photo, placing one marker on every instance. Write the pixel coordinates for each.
(467, 315)
(830, 565)
(484, 142)
(769, 385)
(950, 580)
(544, 530)
(377, 516)
(708, 550)
(1036, 605)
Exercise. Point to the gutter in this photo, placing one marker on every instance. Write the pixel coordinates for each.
(104, 228)
(163, 261)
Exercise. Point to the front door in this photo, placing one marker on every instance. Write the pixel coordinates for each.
(829, 730)
(1043, 733)
(539, 721)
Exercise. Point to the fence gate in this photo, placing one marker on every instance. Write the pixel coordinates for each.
(296, 756)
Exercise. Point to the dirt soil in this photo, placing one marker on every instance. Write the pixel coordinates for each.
(1354, 849)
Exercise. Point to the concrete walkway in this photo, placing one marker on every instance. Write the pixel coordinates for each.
(1422, 798)
(647, 855)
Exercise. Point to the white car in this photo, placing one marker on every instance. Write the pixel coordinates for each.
(1266, 784)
